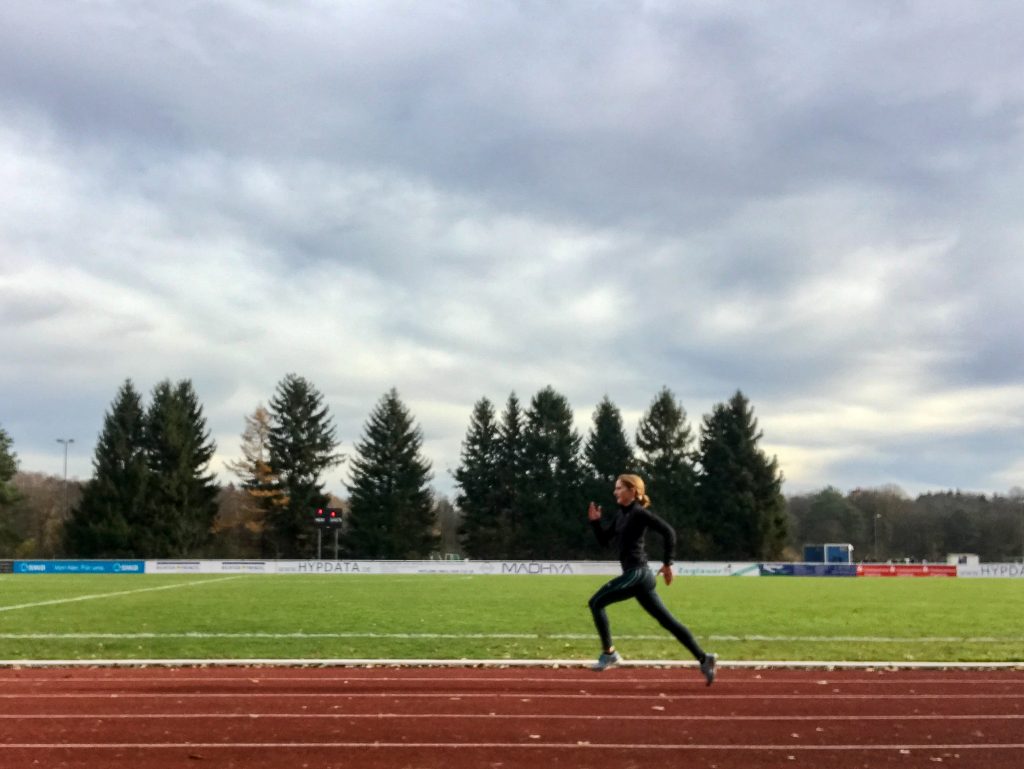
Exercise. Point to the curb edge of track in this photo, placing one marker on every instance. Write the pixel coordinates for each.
(502, 663)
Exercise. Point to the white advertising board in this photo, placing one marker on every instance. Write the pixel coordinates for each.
(990, 570)
(354, 567)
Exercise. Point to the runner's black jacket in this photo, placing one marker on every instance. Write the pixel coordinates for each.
(627, 531)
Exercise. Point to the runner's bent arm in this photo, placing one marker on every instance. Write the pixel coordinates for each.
(668, 536)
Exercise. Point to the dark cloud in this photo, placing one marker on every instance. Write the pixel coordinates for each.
(817, 205)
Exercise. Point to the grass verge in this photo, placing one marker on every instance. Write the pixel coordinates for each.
(502, 617)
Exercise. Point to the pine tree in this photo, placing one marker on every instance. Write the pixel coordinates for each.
(182, 494)
(111, 514)
(8, 467)
(553, 504)
(482, 531)
(303, 445)
(8, 494)
(511, 479)
(665, 444)
(607, 452)
(260, 484)
(391, 511)
(740, 487)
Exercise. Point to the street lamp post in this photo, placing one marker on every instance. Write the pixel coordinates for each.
(877, 516)
(66, 442)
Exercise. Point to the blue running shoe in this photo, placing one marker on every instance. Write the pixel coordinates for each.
(707, 667)
(606, 660)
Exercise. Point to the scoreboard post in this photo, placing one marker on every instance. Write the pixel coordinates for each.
(330, 518)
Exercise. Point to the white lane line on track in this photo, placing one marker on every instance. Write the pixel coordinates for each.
(97, 596)
(503, 716)
(525, 696)
(490, 745)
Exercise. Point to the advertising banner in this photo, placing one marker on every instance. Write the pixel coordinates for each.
(209, 567)
(808, 570)
(246, 567)
(79, 567)
(906, 570)
(181, 567)
(716, 569)
(600, 568)
(447, 567)
(824, 570)
(1012, 570)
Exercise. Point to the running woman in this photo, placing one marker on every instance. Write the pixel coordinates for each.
(637, 581)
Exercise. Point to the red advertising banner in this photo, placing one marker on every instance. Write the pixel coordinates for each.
(905, 570)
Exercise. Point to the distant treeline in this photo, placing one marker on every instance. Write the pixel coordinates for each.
(523, 483)
(885, 524)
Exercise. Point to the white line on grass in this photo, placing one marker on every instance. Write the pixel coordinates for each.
(300, 635)
(864, 639)
(257, 635)
(96, 596)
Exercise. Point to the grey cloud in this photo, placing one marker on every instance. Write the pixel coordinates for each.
(969, 463)
(637, 113)
(463, 200)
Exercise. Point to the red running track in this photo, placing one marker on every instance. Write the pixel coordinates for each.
(508, 718)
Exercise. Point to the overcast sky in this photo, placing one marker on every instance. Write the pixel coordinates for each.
(819, 204)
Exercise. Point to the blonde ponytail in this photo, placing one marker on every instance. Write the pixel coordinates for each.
(636, 483)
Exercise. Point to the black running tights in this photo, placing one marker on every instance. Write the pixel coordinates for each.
(639, 584)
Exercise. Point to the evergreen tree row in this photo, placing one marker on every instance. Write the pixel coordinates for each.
(525, 479)
(288, 448)
(523, 482)
(151, 493)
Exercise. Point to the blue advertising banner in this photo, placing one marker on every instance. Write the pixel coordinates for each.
(79, 567)
(808, 570)
(824, 570)
(776, 569)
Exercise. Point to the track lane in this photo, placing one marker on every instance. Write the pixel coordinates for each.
(497, 728)
(431, 756)
(152, 718)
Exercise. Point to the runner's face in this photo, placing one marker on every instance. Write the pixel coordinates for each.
(624, 495)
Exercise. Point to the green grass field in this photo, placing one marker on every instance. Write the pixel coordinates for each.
(502, 617)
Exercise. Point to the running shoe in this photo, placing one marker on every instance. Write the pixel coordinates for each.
(707, 667)
(606, 660)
